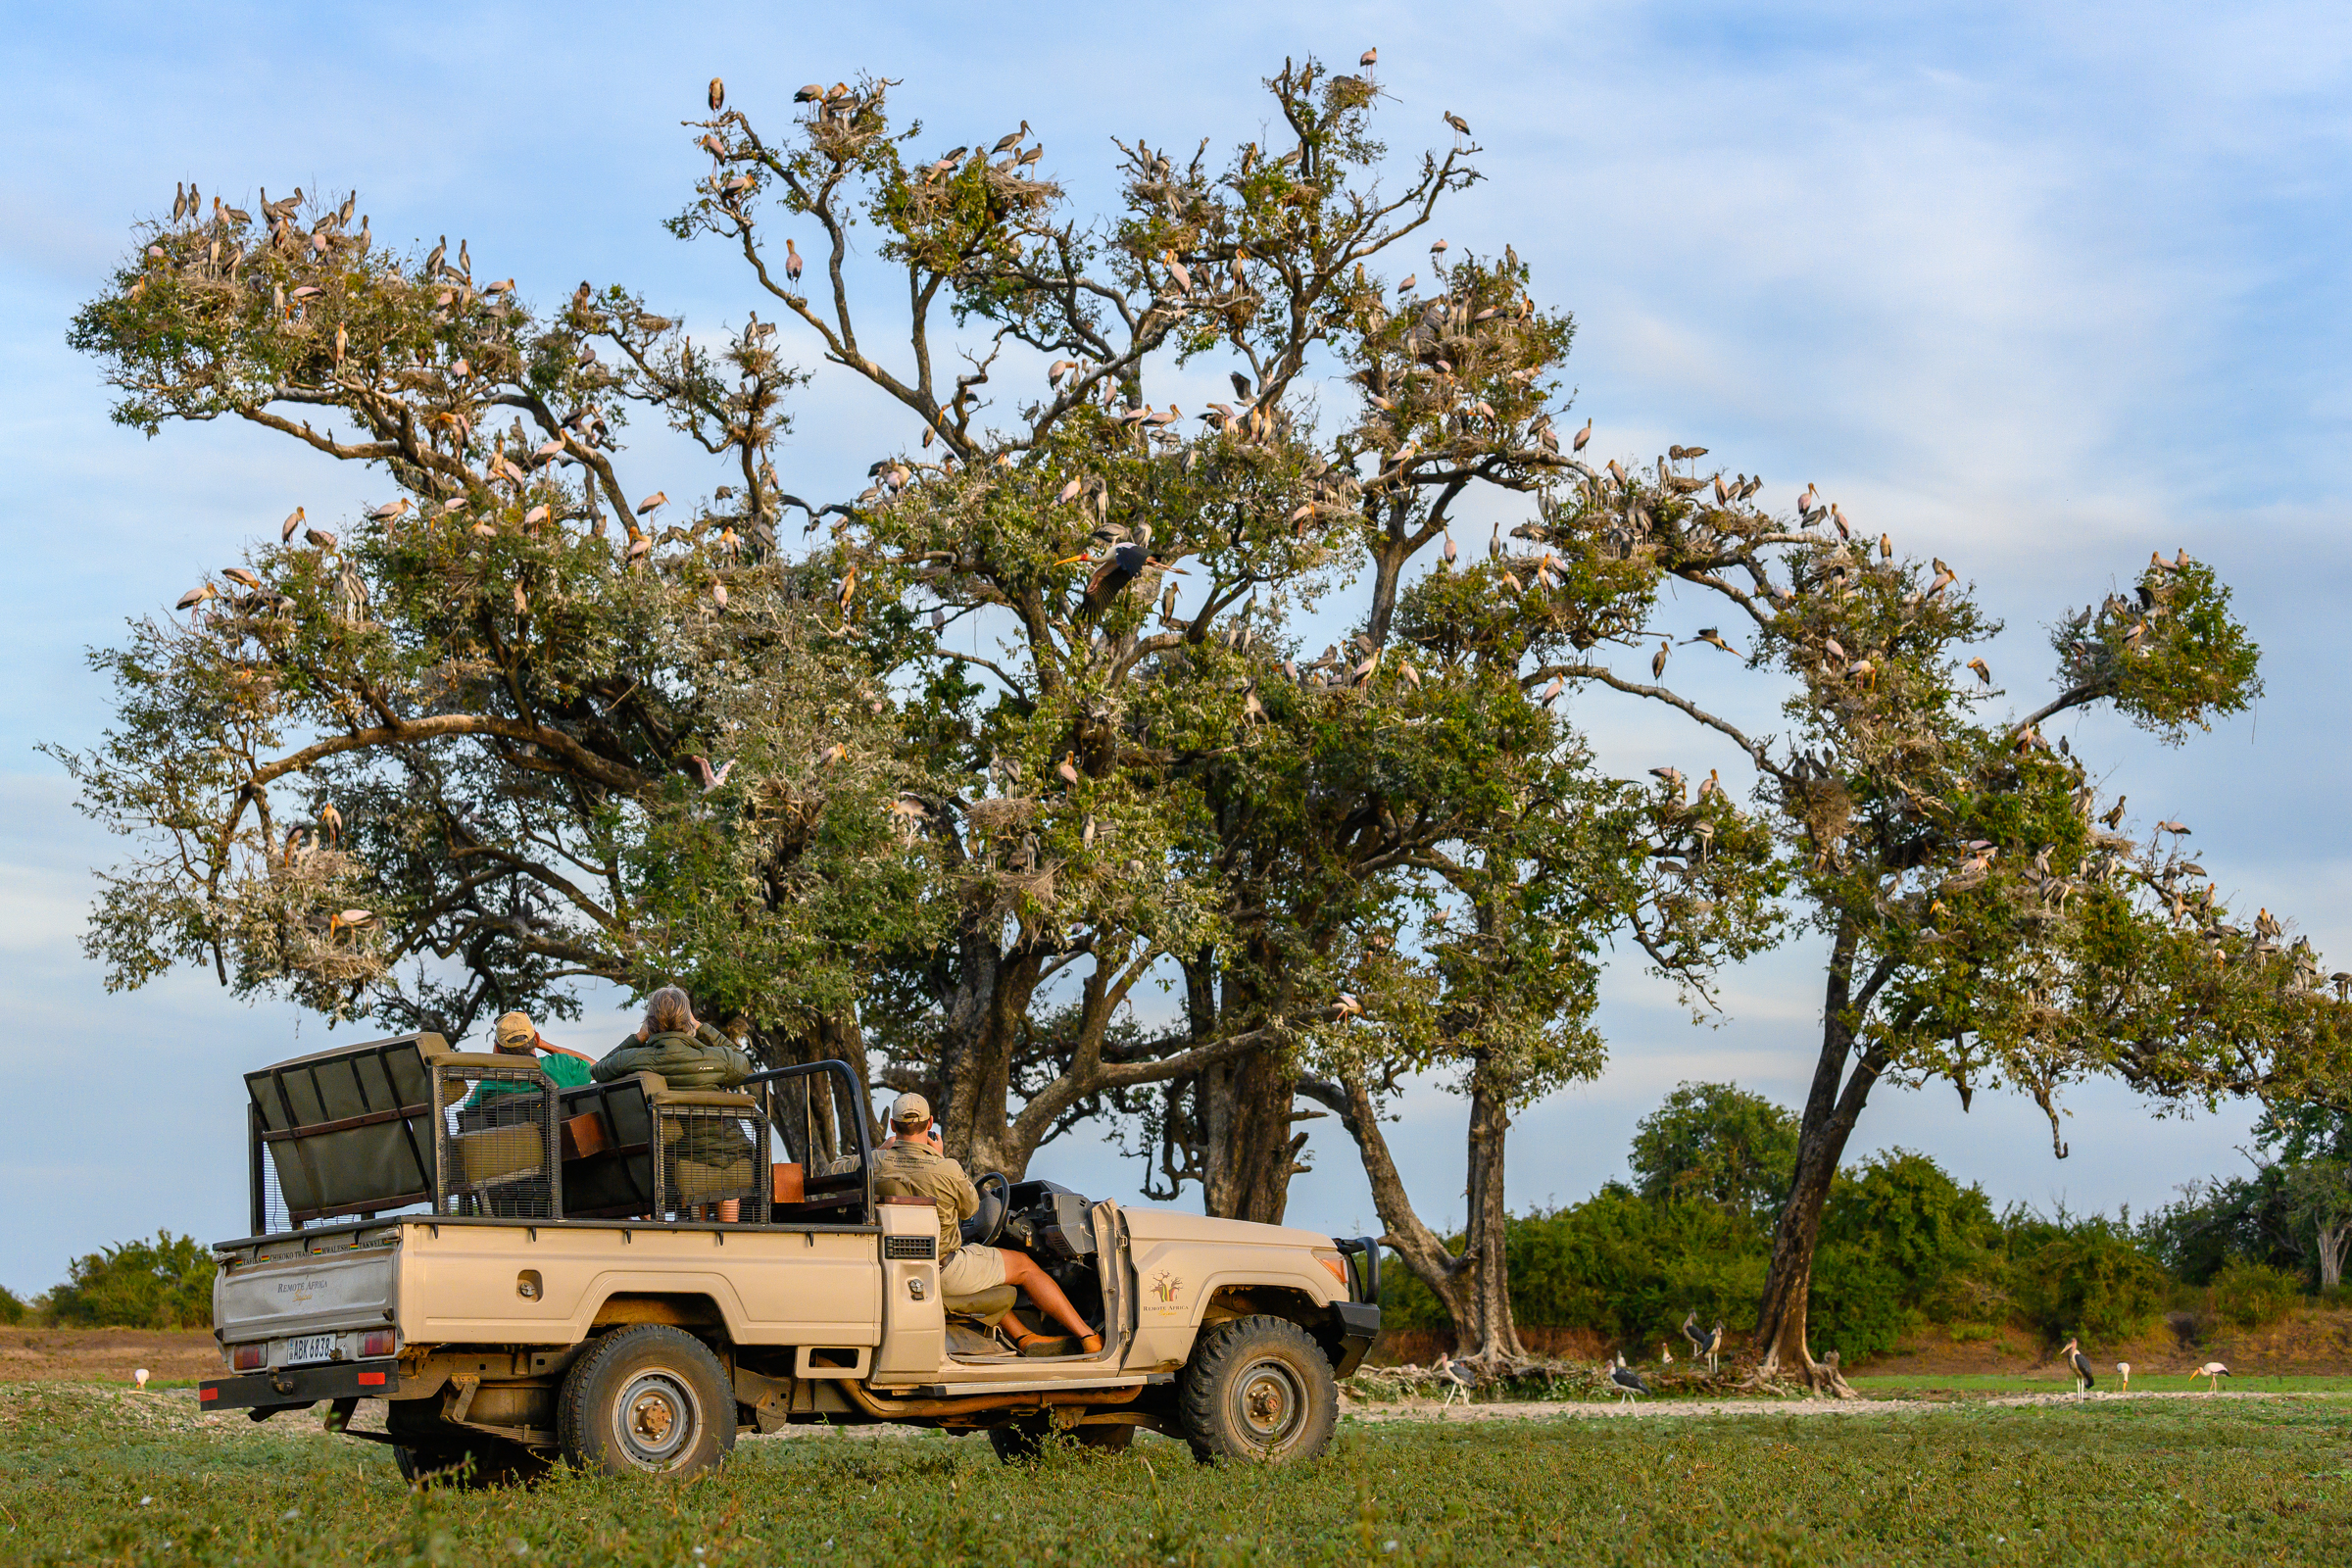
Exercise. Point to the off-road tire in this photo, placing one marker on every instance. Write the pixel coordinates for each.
(494, 1464)
(1020, 1441)
(646, 1400)
(1257, 1387)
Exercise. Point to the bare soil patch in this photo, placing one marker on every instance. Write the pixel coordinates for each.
(107, 1355)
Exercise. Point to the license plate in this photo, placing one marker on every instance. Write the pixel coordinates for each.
(311, 1347)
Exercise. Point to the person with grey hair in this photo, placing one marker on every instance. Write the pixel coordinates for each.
(686, 1054)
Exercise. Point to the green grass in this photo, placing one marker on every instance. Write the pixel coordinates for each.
(2059, 1382)
(99, 1476)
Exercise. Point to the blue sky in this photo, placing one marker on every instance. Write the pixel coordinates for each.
(2035, 289)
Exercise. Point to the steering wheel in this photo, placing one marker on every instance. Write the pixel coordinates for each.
(996, 1203)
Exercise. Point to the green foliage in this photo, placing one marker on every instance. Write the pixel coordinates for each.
(2252, 1296)
(2085, 1278)
(162, 1284)
(1719, 1142)
(13, 1307)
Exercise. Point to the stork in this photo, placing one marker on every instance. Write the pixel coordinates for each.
(1707, 1343)
(1629, 1382)
(1457, 1382)
(2081, 1364)
(2211, 1372)
(2123, 1369)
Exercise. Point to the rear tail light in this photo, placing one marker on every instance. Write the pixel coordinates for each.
(248, 1358)
(378, 1344)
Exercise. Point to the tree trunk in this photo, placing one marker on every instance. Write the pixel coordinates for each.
(1831, 1111)
(2332, 1235)
(1473, 1284)
(1252, 1152)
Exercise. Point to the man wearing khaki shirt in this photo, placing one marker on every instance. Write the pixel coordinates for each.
(915, 1155)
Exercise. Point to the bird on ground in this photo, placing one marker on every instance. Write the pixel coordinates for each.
(140, 1377)
(2080, 1365)
(2211, 1372)
(1690, 1332)
(1712, 1345)
(1458, 1380)
(711, 777)
(2123, 1369)
(1627, 1381)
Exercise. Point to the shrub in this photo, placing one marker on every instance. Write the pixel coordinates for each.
(2082, 1277)
(1719, 1142)
(2252, 1295)
(1898, 1231)
(12, 1308)
(162, 1284)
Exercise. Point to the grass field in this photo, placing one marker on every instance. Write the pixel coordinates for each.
(1973, 1384)
(101, 1476)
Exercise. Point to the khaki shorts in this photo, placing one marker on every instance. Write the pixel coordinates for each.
(969, 1270)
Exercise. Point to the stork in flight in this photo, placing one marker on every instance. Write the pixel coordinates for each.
(2081, 1364)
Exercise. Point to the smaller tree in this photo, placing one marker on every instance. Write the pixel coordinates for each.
(1716, 1142)
(162, 1284)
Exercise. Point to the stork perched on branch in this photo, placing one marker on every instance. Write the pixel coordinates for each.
(2081, 1364)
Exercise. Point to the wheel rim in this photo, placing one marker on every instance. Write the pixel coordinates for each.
(1269, 1403)
(656, 1419)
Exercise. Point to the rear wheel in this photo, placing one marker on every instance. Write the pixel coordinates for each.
(1026, 1438)
(647, 1400)
(1257, 1387)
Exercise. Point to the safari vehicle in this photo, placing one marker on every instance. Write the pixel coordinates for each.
(625, 1276)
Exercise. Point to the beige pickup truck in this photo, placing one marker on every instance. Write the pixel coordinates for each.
(625, 1276)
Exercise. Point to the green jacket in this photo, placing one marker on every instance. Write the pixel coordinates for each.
(565, 1072)
(704, 1060)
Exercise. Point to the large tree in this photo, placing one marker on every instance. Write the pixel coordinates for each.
(1984, 921)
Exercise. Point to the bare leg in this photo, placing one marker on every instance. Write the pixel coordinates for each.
(1021, 1271)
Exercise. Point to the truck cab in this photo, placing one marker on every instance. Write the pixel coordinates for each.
(623, 1277)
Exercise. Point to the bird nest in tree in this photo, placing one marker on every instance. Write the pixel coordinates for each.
(1001, 815)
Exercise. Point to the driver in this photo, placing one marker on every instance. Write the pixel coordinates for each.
(914, 1154)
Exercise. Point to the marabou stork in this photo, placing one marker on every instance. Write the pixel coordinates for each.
(1629, 1382)
(1457, 1382)
(2081, 1364)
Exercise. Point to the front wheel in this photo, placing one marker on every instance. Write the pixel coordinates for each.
(647, 1400)
(1257, 1387)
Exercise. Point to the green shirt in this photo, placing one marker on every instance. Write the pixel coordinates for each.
(565, 1072)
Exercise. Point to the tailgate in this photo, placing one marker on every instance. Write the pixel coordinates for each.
(308, 1293)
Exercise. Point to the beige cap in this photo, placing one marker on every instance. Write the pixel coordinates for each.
(909, 1110)
(515, 1031)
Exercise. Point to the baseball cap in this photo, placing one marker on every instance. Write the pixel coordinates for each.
(516, 1030)
(909, 1110)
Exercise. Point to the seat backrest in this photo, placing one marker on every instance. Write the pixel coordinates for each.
(345, 1130)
